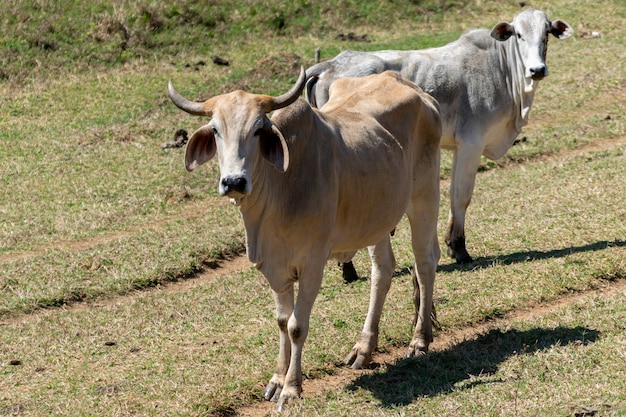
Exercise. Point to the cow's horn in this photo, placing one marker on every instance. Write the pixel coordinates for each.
(292, 95)
(191, 107)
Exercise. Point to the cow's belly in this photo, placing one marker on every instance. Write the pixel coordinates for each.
(367, 219)
(353, 239)
(498, 140)
(493, 141)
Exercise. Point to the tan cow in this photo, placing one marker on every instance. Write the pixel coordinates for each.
(318, 184)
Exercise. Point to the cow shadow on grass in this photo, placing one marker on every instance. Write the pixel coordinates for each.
(529, 256)
(458, 367)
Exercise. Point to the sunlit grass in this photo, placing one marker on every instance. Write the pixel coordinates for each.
(92, 209)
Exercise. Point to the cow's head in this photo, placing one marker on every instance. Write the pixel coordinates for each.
(531, 29)
(239, 131)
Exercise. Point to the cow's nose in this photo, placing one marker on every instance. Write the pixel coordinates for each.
(234, 184)
(537, 73)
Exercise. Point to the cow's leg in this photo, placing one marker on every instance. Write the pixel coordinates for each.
(284, 309)
(349, 272)
(423, 213)
(426, 258)
(347, 267)
(310, 279)
(465, 163)
(383, 264)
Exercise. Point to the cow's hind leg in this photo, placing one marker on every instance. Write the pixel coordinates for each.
(383, 264)
(349, 272)
(426, 258)
(416, 302)
(423, 214)
(347, 267)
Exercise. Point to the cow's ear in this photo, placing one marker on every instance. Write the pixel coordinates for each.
(274, 147)
(201, 148)
(502, 31)
(561, 29)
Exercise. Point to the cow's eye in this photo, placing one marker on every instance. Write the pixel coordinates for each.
(258, 132)
(520, 37)
(214, 131)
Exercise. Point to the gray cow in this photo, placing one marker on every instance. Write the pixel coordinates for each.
(484, 82)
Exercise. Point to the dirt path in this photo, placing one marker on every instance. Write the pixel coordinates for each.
(192, 210)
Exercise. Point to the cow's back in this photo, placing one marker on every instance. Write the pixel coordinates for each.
(360, 146)
(387, 99)
(466, 77)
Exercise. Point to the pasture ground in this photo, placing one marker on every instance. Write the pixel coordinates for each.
(122, 286)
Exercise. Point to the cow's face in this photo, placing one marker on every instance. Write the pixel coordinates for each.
(531, 29)
(240, 133)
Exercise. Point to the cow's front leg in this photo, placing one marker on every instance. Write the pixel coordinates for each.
(284, 310)
(310, 279)
(465, 163)
(383, 264)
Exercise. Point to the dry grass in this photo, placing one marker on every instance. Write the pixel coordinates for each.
(91, 209)
(169, 349)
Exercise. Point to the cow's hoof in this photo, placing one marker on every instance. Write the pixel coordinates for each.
(457, 250)
(348, 272)
(280, 405)
(463, 258)
(272, 391)
(416, 350)
(285, 398)
(358, 359)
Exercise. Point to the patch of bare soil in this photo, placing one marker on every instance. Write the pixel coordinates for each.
(223, 268)
(598, 145)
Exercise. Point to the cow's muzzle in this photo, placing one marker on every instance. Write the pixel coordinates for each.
(233, 186)
(539, 72)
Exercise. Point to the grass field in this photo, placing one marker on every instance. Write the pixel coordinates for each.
(122, 289)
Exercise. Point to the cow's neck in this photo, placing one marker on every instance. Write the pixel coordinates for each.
(279, 201)
(266, 211)
(253, 211)
(522, 89)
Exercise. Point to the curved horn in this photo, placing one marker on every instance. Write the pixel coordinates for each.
(191, 107)
(292, 95)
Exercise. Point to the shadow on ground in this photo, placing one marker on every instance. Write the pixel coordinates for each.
(456, 368)
(528, 256)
